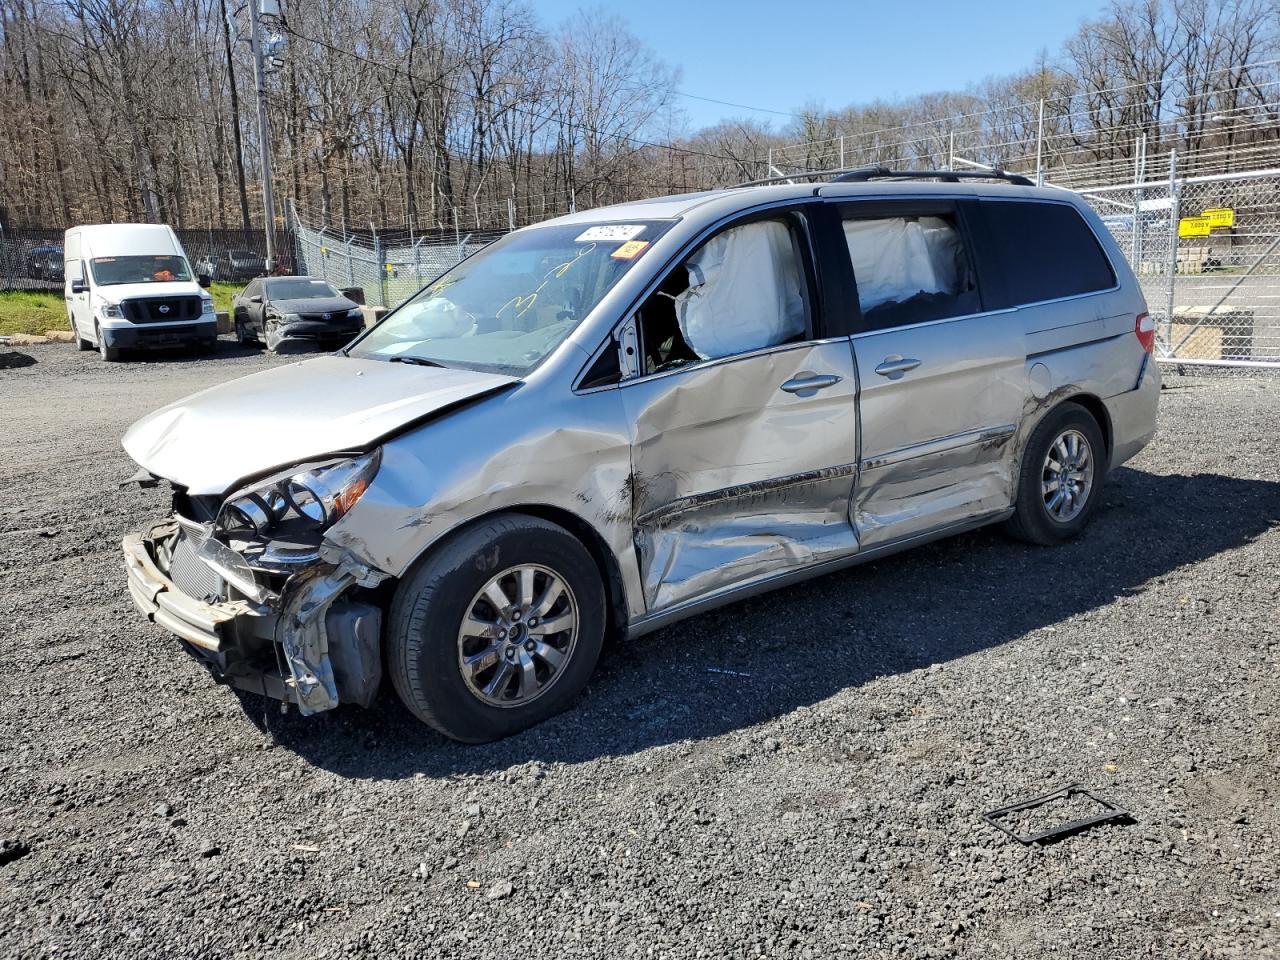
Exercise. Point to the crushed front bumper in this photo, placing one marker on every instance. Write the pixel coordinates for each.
(311, 643)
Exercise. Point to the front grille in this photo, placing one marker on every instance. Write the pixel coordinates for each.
(162, 309)
(189, 573)
(337, 316)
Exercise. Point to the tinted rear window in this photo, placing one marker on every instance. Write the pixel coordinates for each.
(1046, 251)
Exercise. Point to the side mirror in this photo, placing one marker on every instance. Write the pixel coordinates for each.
(204, 280)
(79, 286)
(256, 298)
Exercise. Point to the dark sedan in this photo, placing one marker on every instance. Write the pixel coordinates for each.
(286, 311)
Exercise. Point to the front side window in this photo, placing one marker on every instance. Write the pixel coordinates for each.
(515, 301)
(163, 268)
(743, 290)
(295, 288)
(910, 269)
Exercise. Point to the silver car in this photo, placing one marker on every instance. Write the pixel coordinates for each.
(604, 423)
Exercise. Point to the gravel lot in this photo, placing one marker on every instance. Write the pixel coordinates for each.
(801, 775)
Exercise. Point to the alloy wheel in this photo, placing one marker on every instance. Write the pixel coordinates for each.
(517, 635)
(1066, 478)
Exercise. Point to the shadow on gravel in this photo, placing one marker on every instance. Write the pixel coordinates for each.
(765, 657)
(226, 349)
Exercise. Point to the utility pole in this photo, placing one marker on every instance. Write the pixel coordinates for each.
(264, 133)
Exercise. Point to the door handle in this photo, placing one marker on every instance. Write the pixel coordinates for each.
(808, 385)
(894, 366)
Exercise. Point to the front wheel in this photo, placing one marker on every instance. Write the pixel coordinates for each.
(108, 353)
(1060, 482)
(497, 630)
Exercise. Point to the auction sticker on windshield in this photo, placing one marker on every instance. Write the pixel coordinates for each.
(630, 250)
(611, 233)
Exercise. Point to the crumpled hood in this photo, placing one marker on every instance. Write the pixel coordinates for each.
(213, 440)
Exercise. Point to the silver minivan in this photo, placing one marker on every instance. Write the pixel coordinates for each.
(607, 422)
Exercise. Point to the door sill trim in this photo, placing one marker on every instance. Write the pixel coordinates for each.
(662, 618)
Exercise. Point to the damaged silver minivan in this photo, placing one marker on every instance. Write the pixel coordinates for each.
(607, 422)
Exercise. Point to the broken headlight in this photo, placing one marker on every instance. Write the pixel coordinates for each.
(309, 500)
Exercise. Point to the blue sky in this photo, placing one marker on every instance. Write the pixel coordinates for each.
(783, 55)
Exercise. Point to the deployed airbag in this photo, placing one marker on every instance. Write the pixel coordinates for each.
(895, 259)
(744, 292)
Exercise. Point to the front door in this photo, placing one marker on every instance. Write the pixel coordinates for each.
(745, 425)
(942, 380)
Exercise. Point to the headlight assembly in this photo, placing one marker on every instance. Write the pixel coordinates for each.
(313, 499)
(112, 311)
(206, 308)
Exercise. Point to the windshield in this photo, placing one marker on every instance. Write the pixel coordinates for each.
(515, 301)
(300, 288)
(162, 268)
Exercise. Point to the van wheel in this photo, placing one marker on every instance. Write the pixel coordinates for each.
(109, 354)
(81, 343)
(1060, 483)
(497, 630)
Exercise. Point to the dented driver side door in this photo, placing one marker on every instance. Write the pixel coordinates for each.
(743, 466)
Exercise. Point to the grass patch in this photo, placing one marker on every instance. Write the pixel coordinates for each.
(35, 311)
(31, 311)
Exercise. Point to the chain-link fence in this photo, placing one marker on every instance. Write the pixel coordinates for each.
(31, 258)
(388, 268)
(1207, 254)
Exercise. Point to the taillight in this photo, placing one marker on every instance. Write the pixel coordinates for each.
(1145, 328)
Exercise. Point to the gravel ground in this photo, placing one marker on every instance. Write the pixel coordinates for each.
(802, 775)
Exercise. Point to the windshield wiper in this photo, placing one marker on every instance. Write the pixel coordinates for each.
(416, 361)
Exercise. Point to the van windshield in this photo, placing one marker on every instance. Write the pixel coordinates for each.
(161, 268)
(515, 301)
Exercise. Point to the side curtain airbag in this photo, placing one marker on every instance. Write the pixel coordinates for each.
(744, 292)
(896, 259)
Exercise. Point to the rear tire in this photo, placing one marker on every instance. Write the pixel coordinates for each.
(1060, 481)
(81, 343)
(450, 648)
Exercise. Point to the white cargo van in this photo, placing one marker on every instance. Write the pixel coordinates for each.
(130, 285)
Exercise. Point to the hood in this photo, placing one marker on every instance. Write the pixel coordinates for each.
(213, 440)
(312, 305)
(115, 292)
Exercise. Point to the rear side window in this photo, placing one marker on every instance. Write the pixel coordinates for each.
(910, 269)
(1045, 251)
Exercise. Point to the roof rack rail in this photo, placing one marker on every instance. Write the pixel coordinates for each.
(863, 174)
(951, 176)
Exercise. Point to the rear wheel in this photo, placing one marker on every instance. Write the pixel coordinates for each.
(497, 630)
(81, 343)
(1060, 482)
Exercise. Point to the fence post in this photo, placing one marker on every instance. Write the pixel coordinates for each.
(1040, 147)
(511, 213)
(380, 263)
(1174, 200)
(417, 261)
(1139, 174)
(842, 151)
(351, 265)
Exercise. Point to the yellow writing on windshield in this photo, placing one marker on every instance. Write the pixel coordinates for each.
(523, 303)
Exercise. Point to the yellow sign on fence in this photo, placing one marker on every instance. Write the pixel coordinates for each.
(1194, 227)
(1220, 217)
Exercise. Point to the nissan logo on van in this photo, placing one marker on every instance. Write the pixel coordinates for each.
(164, 308)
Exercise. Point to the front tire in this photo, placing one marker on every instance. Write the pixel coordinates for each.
(1060, 482)
(108, 354)
(498, 629)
